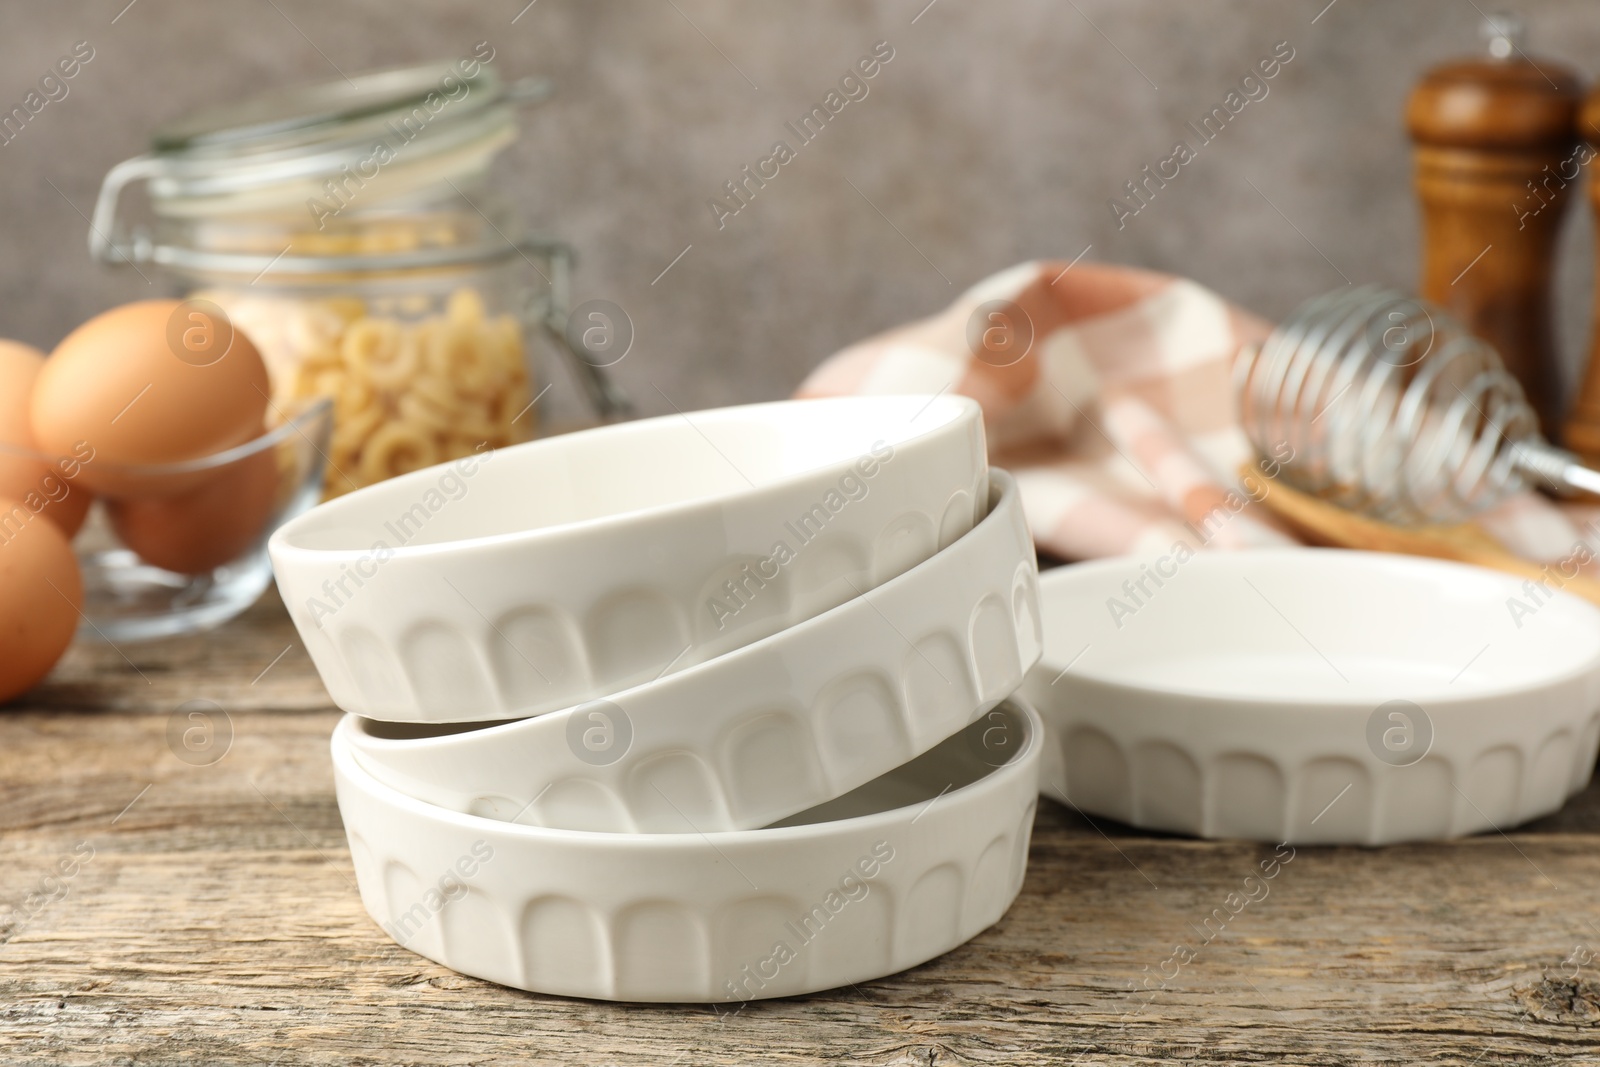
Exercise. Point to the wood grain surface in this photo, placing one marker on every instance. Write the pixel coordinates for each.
(211, 917)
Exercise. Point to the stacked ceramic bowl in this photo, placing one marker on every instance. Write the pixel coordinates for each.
(710, 707)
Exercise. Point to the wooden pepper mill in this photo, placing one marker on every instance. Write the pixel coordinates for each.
(1495, 141)
(1583, 424)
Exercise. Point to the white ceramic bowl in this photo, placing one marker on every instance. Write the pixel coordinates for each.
(1313, 695)
(762, 732)
(892, 875)
(546, 574)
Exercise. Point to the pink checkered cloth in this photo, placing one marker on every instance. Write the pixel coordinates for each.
(1119, 420)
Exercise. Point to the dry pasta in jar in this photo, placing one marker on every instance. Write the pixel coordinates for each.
(408, 392)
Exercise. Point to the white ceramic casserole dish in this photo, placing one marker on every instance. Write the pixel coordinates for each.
(1314, 696)
(542, 575)
(894, 874)
(764, 731)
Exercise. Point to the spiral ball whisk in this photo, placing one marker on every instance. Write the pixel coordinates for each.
(1394, 408)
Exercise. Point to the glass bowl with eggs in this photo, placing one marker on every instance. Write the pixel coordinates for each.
(351, 303)
(142, 467)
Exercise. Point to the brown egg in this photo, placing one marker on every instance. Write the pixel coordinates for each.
(154, 382)
(43, 487)
(199, 530)
(41, 592)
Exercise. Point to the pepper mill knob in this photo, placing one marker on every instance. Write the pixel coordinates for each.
(1503, 34)
(1492, 135)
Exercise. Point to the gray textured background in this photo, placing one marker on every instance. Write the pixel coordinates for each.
(996, 134)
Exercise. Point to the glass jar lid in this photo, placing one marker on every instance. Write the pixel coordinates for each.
(327, 112)
(386, 135)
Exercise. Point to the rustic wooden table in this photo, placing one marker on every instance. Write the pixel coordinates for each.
(157, 911)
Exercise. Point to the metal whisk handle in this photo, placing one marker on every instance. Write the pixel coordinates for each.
(1555, 468)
